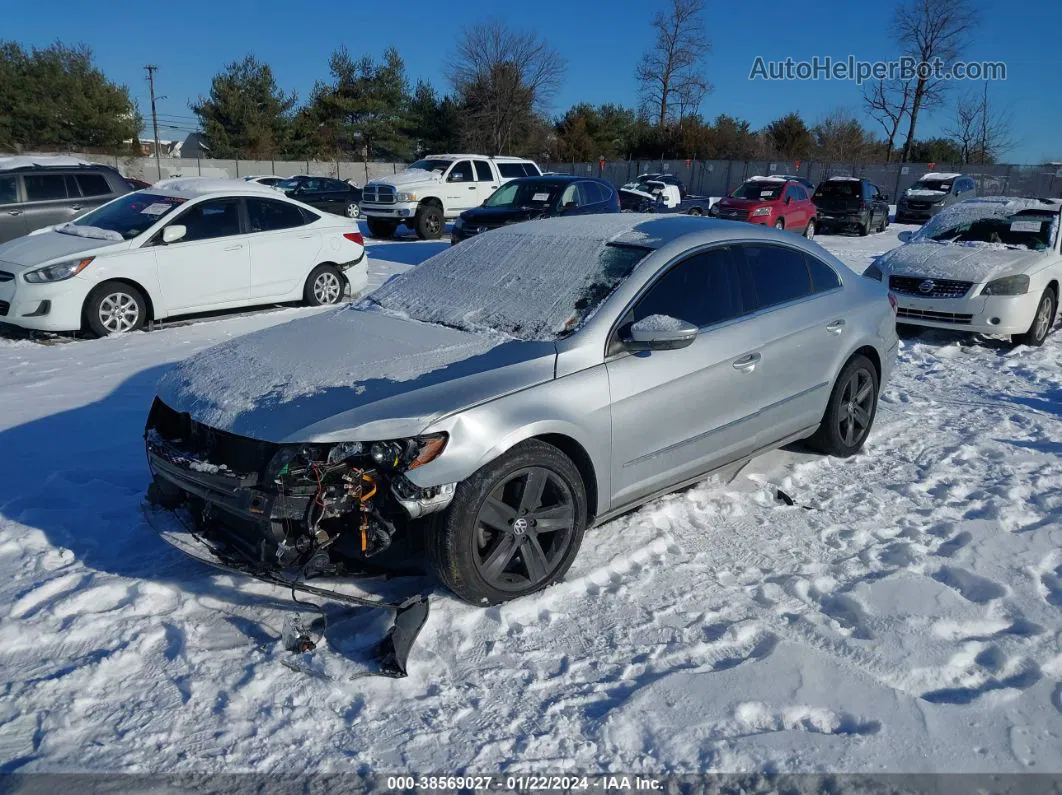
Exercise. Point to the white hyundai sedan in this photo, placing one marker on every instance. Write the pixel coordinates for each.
(989, 265)
(181, 246)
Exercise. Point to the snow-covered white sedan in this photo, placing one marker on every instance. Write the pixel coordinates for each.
(181, 246)
(988, 265)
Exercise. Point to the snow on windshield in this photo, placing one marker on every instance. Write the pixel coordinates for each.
(535, 281)
(1002, 222)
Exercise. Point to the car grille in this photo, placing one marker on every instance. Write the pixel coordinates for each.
(238, 453)
(937, 317)
(919, 205)
(6, 277)
(733, 215)
(5, 307)
(929, 288)
(378, 194)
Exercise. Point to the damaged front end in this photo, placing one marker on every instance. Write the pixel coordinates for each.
(289, 513)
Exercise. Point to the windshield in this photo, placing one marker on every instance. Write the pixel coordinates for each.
(129, 215)
(757, 189)
(526, 195)
(531, 286)
(841, 189)
(431, 165)
(931, 184)
(992, 225)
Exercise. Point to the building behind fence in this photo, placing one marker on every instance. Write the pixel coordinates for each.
(702, 177)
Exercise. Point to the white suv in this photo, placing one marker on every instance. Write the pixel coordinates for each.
(437, 188)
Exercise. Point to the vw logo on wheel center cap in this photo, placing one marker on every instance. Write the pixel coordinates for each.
(520, 526)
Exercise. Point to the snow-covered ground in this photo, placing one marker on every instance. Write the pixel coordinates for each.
(908, 621)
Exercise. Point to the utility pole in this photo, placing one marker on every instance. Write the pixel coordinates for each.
(154, 116)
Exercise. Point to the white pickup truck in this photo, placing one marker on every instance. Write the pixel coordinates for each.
(434, 189)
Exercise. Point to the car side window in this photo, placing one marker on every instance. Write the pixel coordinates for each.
(483, 173)
(531, 170)
(512, 170)
(44, 187)
(266, 215)
(8, 190)
(702, 290)
(773, 275)
(823, 277)
(592, 192)
(93, 184)
(211, 219)
(799, 194)
(461, 172)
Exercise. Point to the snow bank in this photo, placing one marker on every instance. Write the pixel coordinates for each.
(533, 281)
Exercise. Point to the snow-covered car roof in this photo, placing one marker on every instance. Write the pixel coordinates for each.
(842, 179)
(772, 178)
(981, 208)
(53, 161)
(935, 175)
(192, 187)
(500, 158)
(527, 280)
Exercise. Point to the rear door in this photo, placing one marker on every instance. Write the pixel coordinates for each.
(679, 413)
(801, 317)
(210, 266)
(486, 182)
(94, 190)
(12, 212)
(283, 249)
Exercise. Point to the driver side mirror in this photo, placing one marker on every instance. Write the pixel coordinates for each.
(905, 236)
(173, 233)
(659, 333)
(455, 177)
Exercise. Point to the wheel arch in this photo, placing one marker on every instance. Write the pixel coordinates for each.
(583, 462)
(126, 281)
(434, 201)
(871, 353)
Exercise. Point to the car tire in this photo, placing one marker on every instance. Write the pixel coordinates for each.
(809, 230)
(864, 228)
(381, 230)
(115, 308)
(353, 210)
(429, 223)
(843, 430)
(696, 211)
(779, 224)
(1042, 322)
(324, 286)
(487, 564)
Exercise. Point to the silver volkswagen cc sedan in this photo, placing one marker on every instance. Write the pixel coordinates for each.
(511, 392)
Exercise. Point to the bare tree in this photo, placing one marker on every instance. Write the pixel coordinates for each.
(888, 102)
(981, 133)
(504, 78)
(672, 85)
(840, 138)
(931, 30)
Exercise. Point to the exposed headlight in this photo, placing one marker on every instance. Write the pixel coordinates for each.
(873, 272)
(408, 453)
(1008, 285)
(343, 451)
(762, 211)
(406, 197)
(58, 272)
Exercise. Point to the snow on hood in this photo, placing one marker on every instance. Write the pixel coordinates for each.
(413, 176)
(43, 247)
(977, 263)
(93, 232)
(926, 194)
(530, 280)
(316, 378)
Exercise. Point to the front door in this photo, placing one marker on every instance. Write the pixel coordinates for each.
(461, 191)
(210, 266)
(679, 413)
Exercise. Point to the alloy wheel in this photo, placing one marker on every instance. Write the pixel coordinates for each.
(857, 405)
(327, 288)
(523, 529)
(433, 224)
(1042, 323)
(119, 312)
(353, 211)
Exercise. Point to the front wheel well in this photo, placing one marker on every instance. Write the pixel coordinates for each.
(143, 291)
(578, 455)
(1053, 286)
(431, 200)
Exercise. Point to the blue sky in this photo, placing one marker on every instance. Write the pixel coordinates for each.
(191, 40)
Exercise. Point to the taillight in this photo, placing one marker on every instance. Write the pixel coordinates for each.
(355, 237)
(892, 302)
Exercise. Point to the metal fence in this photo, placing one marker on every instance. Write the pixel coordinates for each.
(719, 177)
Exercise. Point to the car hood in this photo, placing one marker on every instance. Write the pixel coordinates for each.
(37, 249)
(413, 176)
(742, 204)
(975, 263)
(919, 193)
(497, 216)
(349, 374)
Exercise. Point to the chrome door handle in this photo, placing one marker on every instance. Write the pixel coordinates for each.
(836, 327)
(471, 187)
(233, 248)
(75, 207)
(747, 363)
(15, 212)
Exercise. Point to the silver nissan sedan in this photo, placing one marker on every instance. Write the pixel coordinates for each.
(511, 392)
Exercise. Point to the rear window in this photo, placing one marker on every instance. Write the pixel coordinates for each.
(44, 187)
(7, 190)
(92, 185)
(515, 170)
(845, 189)
(267, 215)
(775, 274)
